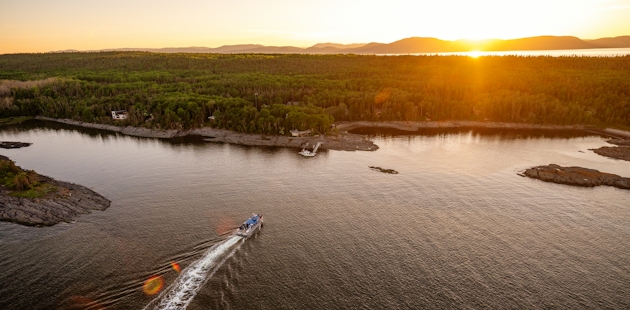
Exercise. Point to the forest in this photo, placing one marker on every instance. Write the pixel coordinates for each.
(271, 94)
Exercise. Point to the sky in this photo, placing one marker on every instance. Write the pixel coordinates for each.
(49, 25)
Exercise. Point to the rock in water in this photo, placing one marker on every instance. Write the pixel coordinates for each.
(390, 171)
(577, 176)
(13, 145)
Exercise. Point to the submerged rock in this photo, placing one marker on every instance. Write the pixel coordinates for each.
(390, 171)
(576, 176)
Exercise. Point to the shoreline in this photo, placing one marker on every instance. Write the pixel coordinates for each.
(344, 141)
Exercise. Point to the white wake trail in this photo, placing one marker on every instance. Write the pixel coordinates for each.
(179, 294)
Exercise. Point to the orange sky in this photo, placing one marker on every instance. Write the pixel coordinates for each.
(47, 25)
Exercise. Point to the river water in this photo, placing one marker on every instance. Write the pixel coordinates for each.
(456, 228)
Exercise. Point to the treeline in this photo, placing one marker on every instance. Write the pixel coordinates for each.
(275, 93)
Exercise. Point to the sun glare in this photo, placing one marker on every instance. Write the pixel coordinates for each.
(475, 54)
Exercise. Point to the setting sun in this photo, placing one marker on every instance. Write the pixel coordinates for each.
(474, 54)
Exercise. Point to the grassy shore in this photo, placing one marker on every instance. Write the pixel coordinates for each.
(23, 183)
(14, 120)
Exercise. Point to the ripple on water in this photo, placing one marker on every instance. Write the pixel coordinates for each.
(456, 228)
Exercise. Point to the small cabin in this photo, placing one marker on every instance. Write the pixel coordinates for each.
(300, 133)
(120, 114)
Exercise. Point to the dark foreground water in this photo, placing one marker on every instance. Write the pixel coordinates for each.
(457, 228)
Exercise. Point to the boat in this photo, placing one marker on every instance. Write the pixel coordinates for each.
(250, 226)
(307, 153)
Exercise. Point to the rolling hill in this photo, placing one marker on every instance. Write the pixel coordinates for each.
(404, 46)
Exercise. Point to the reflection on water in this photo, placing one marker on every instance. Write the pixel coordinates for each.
(455, 228)
(590, 52)
(500, 133)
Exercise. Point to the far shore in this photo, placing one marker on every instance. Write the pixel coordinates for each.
(344, 141)
(415, 126)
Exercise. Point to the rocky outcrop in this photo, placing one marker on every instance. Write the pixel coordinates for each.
(576, 176)
(13, 145)
(383, 170)
(344, 142)
(616, 152)
(68, 201)
(128, 130)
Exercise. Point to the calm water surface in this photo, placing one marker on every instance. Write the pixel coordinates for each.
(589, 52)
(457, 228)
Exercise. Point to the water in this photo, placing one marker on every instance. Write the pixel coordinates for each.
(592, 52)
(185, 287)
(455, 228)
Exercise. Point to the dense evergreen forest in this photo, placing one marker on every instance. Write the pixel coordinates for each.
(274, 93)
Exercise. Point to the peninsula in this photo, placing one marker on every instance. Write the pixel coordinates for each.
(32, 199)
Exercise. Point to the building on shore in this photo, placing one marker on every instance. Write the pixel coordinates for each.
(300, 133)
(120, 114)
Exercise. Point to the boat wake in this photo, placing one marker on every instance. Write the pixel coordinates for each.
(179, 294)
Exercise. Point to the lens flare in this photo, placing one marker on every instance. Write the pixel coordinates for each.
(383, 96)
(153, 285)
(175, 266)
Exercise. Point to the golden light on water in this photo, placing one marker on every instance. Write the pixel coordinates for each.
(153, 285)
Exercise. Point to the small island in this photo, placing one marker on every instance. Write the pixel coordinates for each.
(576, 176)
(32, 199)
(13, 145)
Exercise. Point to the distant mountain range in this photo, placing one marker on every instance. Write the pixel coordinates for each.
(404, 46)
